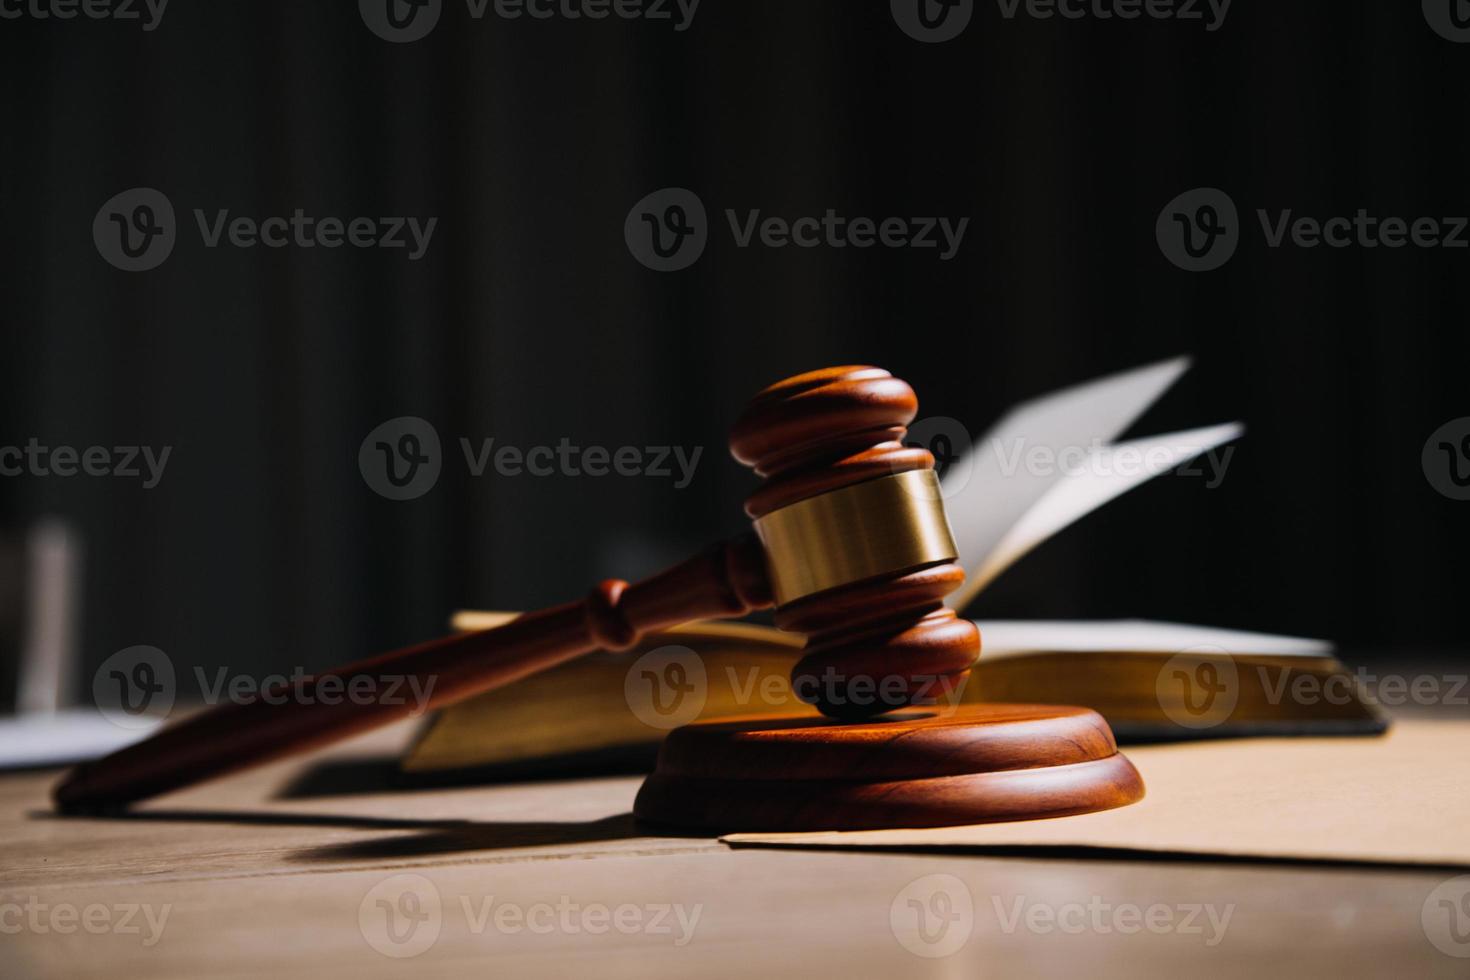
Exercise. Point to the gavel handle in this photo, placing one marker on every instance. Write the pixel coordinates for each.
(728, 580)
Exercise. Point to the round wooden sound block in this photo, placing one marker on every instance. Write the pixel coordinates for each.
(978, 764)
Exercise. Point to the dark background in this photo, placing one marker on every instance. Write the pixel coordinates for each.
(529, 320)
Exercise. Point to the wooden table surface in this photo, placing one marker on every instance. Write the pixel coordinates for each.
(254, 876)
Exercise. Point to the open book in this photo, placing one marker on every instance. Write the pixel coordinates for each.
(1044, 465)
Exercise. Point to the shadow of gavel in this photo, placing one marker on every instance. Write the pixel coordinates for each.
(850, 544)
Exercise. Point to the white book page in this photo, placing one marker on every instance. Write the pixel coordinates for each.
(1102, 475)
(985, 496)
(1001, 638)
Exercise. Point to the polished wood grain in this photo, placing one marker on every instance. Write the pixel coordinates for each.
(978, 764)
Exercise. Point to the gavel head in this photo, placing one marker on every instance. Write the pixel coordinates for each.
(858, 548)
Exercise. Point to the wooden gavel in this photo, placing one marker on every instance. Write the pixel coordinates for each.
(851, 545)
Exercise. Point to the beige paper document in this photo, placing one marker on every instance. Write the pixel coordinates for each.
(1400, 798)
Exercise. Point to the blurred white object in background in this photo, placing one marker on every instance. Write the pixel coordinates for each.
(47, 730)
